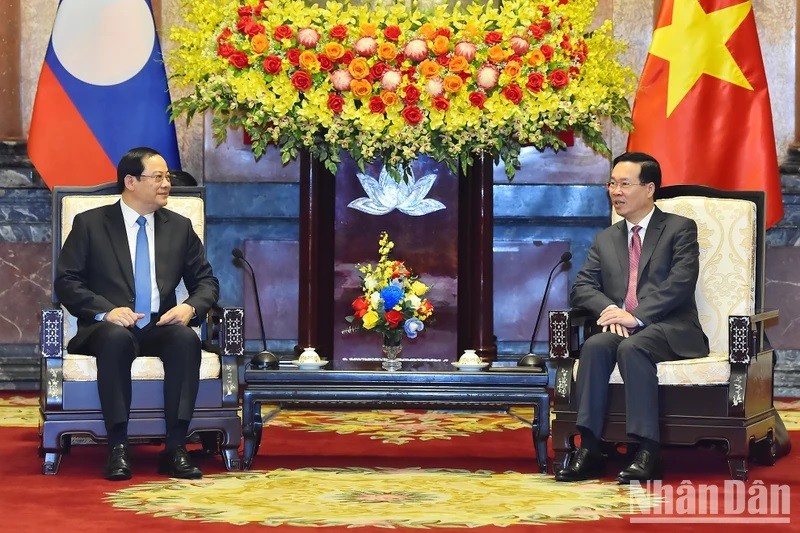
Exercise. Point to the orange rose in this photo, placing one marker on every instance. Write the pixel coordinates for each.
(368, 29)
(309, 61)
(458, 64)
(387, 51)
(429, 68)
(496, 53)
(359, 68)
(441, 45)
(427, 30)
(259, 43)
(512, 69)
(452, 83)
(360, 88)
(334, 50)
(536, 58)
(389, 98)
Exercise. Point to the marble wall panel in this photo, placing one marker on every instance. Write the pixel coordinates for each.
(783, 293)
(25, 269)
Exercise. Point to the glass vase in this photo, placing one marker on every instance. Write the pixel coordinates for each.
(391, 351)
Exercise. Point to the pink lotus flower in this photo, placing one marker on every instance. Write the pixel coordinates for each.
(308, 37)
(366, 46)
(341, 80)
(466, 50)
(487, 77)
(434, 87)
(416, 49)
(391, 80)
(520, 45)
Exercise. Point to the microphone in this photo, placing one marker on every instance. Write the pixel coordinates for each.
(264, 359)
(532, 359)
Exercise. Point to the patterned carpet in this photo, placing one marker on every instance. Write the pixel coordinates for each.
(301, 489)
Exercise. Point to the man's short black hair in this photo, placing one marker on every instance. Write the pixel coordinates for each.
(133, 163)
(181, 178)
(651, 170)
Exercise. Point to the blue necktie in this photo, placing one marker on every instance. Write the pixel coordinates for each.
(141, 275)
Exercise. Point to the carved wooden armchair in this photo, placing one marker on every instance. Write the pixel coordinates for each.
(69, 403)
(725, 398)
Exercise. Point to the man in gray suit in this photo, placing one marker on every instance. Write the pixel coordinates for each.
(117, 273)
(639, 280)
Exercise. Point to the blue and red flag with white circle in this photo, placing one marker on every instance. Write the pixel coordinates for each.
(102, 91)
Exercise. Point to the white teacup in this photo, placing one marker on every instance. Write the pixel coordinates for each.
(469, 357)
(309, 355)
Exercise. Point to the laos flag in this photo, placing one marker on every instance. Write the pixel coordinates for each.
(102, 91)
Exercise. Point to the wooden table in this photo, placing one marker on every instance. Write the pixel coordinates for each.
(489, 389)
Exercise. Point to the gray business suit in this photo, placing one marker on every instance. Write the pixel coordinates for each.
(668, 271)
(95, 275)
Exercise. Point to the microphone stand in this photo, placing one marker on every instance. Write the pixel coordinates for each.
(531, 359)
(264, 359)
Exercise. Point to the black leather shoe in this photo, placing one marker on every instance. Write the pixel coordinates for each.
(583, 465)
(176, 463)
(646, 466)
(118, 467)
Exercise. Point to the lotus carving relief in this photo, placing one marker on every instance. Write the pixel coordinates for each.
(384, 195)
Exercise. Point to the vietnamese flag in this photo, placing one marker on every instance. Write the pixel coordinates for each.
(102, 91)
(702, 108)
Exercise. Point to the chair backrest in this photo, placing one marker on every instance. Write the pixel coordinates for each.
(731, 235)
(70, 201)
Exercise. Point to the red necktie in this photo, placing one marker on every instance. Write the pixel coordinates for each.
(633, 270)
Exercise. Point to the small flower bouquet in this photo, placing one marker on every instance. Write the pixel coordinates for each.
(392, 302)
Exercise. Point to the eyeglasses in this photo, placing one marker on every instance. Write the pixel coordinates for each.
(624, 185)
(158, 177)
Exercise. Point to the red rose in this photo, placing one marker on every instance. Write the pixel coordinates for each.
(477, 99)
(442, 31)
(376, 105)
(238, 59)
(441, 103)
(394, 318)
(271, 64)
(392, 33)
(547, 51)
(301, 81)
(565, 44)
(336, 104)
(574, 72)
(544, 9)
(225, 50)
(325, 63)
(224, 36)
(536, 31)
(513, 93)
(443, 60)
(378, 69)
(546, 26)
(412, 115)
(293, 55)
(338, 32)
(558, 78)
(347, 57)
(493, 37)
(245, 11)
(283, 32)
(563, 2)
(411, 96)
(242, 23)
(535, 82)
(360, 304)
(253, 28)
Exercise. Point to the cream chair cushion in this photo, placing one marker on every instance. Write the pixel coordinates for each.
(726, 232)
(79, 367)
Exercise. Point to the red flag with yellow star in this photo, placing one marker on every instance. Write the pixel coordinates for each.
(702, 108)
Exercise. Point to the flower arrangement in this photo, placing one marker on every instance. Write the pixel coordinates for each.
(394, 82)
(392, 302)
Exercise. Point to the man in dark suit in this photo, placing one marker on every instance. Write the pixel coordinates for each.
(117, 273)
(639, 279)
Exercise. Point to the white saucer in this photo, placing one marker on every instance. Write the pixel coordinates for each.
(310, 365)
(470, 368)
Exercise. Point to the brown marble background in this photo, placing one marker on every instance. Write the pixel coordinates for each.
(25, 271)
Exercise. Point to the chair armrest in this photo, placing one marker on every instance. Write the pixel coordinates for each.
(51, 343)
(226, 338)
(746, 335)
(569, 329)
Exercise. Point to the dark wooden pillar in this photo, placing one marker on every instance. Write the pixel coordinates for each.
(315, 309)
(476, 272)
(10, 114)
